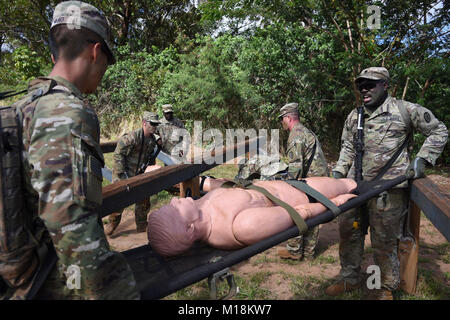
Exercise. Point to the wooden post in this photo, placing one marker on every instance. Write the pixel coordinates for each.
(409, 252)
(193, 185)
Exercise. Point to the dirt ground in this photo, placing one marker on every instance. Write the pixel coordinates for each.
(286, 280)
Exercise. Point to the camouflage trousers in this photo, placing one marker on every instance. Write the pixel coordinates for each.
(141, 210)
(386, 213)
(122, 286)
(305, 244)
(105, 276)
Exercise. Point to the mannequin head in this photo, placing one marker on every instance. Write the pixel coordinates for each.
(175, 227)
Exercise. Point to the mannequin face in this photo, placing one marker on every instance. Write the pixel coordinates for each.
(187, 211)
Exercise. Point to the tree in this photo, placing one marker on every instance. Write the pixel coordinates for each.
(210, 85)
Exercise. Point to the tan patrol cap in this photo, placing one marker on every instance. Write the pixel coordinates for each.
(167, 108)
(150, 117)
(76, 14)
(288, 108)
(374, 73)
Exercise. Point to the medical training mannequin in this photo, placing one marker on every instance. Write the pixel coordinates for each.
(232, 218)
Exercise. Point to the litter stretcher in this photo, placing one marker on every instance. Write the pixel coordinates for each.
(158, 277)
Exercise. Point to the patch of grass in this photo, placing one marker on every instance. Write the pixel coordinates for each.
(160, 199)
(428, 288)
(228, 171)
(321, 260)
(262, 259)
(443, 250)
(289, 261)
(301, 286)
(250, 289)
(424, 260)
(310, 287)
(368, 250)
(442, 171)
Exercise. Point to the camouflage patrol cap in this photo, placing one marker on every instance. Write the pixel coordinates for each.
(76, 14)
(273, 167)
(150, 117)
(288, 108)
(374, 73)
(167, 108)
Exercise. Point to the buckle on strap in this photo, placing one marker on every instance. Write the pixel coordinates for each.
(217, 277)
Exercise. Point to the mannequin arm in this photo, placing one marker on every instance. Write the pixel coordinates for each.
(309, 210)
(255, 224)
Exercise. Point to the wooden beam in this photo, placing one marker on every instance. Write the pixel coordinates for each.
(428, 197)
(108, 147)
(126, 192)
(408, 251)
(434, 202)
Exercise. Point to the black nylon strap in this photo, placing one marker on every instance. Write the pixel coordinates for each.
(310, 160)
(302, 186)
(140, 154)
(391, 160)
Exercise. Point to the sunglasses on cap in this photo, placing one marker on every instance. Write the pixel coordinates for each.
(369, 85)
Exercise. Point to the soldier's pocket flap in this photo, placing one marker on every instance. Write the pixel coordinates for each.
(94, 146)
(89, 163)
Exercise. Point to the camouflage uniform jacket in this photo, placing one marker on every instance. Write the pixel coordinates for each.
(300, 147)
(384, 132)
(62, 161)
(126, 155)
(165, 130)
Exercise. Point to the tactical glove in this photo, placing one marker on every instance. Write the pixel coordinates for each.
(337, 175)
(418, 165)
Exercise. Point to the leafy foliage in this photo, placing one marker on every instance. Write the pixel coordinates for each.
(234, 63)
(130, 86)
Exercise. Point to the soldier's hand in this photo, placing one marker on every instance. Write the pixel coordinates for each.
(337, 175)
(418, 166)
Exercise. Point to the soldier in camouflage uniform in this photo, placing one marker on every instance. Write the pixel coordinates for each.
(303, 150)
(168, 124)
(134, 152)
(263, 167)
(62, 161)
(385, 130)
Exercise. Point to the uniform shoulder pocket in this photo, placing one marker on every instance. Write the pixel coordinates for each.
(87, 169)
